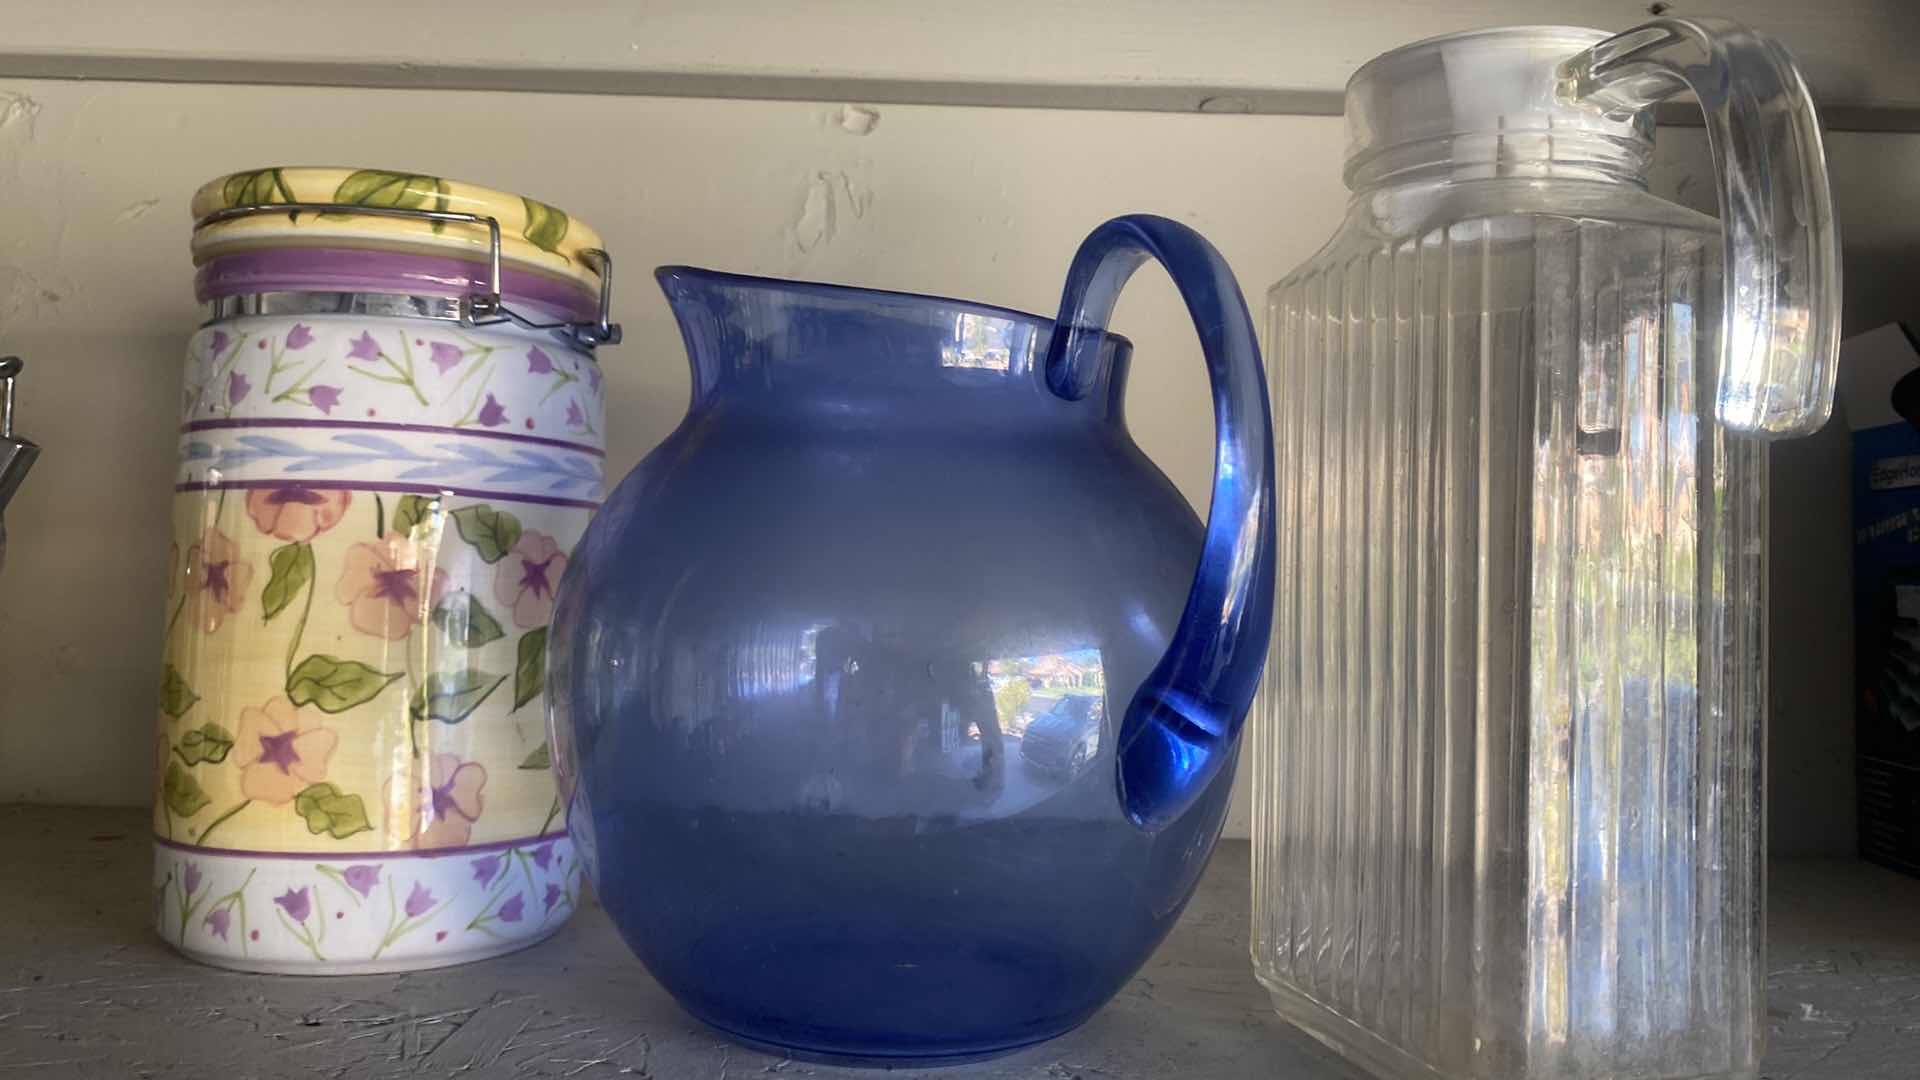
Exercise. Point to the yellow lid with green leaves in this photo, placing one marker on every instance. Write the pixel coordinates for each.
(533, 235)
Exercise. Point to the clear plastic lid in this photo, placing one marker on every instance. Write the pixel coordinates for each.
(1496, 86)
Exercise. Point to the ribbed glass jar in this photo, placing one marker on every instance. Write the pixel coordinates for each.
(1508, 752)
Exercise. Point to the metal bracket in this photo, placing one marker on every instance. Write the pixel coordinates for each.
(17, 455)
(476, 309)
(10, 366)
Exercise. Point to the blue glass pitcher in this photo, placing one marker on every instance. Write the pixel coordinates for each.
(896, 695)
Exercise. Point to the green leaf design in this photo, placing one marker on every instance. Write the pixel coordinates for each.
(411, 511)
(256, 188)
(530, 674)
(546, 226)
(491, 532)
(377, 187)
(208, 742)
(176, 697)
(450, 697)
(465, 622)
(329, 810)
(181, 792)
(440, 204)
(335, 685)
(541, 758)
(251, 188)
(292, 568)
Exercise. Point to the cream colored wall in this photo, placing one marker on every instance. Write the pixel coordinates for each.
(95, 292)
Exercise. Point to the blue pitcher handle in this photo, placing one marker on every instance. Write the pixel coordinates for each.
(1180, 728)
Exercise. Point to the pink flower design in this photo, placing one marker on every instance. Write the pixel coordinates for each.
(554, 896)
(296, 513)
(575, 418)
(214, 570)
(364, 348)
(217, 344)
(441, 812)
(539, 363)
(324, 398)
(492, 414)
(543, 855)
(218, 921)
(446, 357)
(514, 909)
(300, 336)
(381, 585)
(281, 750)
(524, 580)
(191, 879)
(237, 388)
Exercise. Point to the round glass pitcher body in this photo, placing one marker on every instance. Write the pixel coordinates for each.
(836, 677)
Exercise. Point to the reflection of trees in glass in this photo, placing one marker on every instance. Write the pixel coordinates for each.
(979, 341)
(1031, 686)
(1011, 697)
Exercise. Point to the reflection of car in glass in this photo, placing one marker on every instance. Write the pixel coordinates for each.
(1066, 737)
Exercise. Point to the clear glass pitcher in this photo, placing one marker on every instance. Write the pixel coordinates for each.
(1509, 747)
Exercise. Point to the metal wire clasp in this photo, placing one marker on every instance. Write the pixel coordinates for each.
(476, 309)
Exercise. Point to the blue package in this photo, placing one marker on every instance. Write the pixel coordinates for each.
(1880, 392)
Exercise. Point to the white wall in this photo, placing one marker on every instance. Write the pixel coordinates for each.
(95, 292)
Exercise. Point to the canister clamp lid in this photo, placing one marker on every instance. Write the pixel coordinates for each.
(478, 308)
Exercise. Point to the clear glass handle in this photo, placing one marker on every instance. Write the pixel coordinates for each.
(1781, 327)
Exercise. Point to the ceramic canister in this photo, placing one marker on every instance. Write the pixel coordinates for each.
(382, 467)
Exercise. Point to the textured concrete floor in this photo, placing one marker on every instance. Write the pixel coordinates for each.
(86, 989)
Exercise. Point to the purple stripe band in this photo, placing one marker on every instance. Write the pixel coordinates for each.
(331, 856)
(407, 489)
(431, 429)
(301, 268)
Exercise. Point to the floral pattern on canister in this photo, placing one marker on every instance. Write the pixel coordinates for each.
(217, 579)
(334, 368)
(440, 811)
(423, 643)
(367, 912)
(370, 520)
(281, 750)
